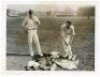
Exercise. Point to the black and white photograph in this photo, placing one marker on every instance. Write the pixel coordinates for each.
(50, 37)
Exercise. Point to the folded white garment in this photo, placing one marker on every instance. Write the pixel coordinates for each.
(33, 64)
(54, 54)
(67, 64)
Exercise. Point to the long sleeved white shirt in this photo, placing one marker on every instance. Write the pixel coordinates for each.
(29, 23)
(67, 33)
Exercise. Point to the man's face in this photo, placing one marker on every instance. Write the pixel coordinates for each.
(67, 24)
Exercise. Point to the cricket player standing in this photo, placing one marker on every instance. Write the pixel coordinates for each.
(67, 34)
(30, 24)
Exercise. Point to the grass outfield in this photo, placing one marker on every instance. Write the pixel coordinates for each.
(83, 43)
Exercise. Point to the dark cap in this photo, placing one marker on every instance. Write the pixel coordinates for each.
(30, 11)
(69, 22)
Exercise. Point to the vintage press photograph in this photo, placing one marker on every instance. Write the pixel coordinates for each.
(50, 37)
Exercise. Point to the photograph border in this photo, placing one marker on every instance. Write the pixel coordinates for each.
(58, 73)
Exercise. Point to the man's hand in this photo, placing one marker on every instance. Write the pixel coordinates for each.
(25, 30)
(66, 43)
(71, 39)
(37, 23)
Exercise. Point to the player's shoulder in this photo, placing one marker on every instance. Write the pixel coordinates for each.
(63, 25)
(72, 26)
(35, 17)
(26, 17)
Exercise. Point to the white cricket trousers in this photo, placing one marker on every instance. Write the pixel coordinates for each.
(33, 37)
(67, 48)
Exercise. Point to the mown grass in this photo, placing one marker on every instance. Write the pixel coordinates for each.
(83, 43)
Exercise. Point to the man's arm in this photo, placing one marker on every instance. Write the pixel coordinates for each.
(37, 21)
(63, 34)
(72, 34)
(62, 31)
(24, 23)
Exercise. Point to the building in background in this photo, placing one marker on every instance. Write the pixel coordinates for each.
(67, 12)
(56, 12)
(86, 11)
(12, 12)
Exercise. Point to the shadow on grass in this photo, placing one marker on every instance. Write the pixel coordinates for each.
(15, 54)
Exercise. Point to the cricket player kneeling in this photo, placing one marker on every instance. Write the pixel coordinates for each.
(67, 34)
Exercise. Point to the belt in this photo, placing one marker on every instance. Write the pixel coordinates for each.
(33, 29)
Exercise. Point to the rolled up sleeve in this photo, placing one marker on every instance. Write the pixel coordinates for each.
(24, 22)
(37, 20)
(73, 30)
(62, 31)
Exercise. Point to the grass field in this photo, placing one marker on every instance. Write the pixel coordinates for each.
(83, 43)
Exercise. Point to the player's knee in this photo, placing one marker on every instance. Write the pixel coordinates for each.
(37, 43)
